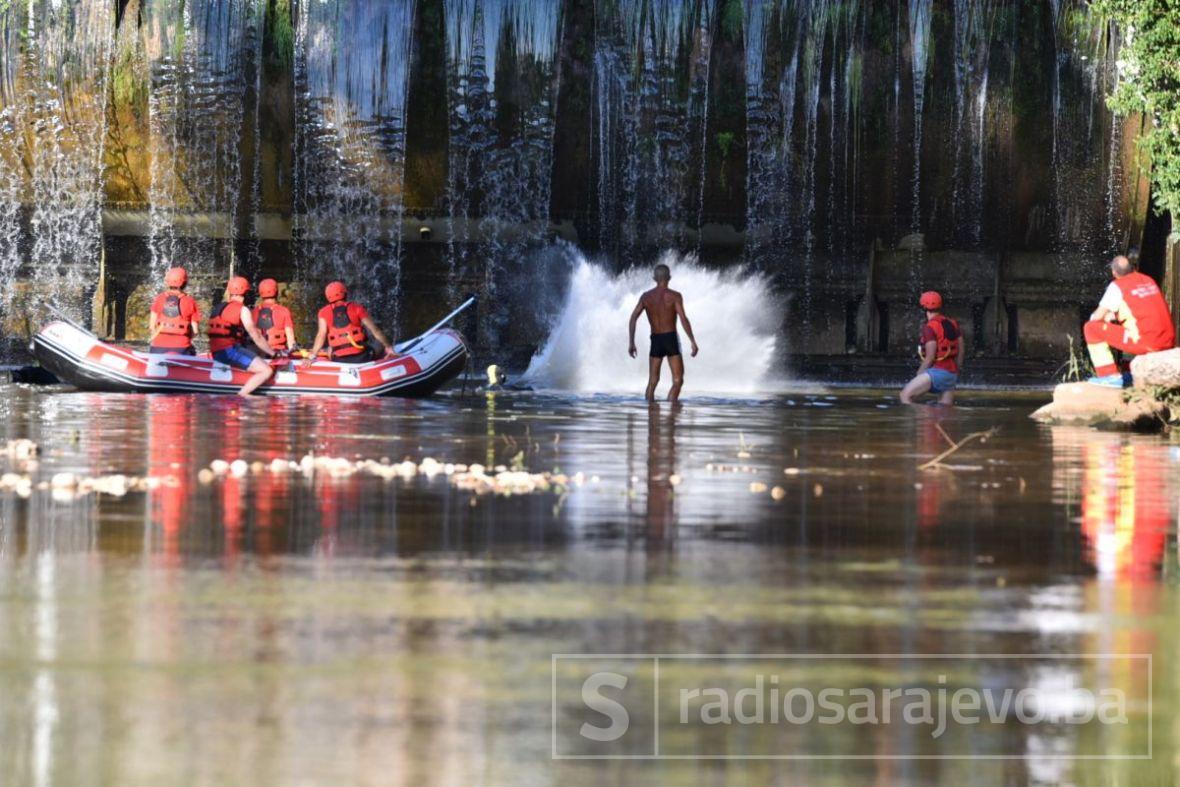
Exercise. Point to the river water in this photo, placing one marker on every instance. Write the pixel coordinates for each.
(282, 626)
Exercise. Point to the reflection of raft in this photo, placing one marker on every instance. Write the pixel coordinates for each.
(80, 358)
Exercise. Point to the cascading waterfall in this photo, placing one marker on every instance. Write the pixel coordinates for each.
(920, 12)
(54, 110)
(501, 66)
(351, 77)
(197, 56)
(648, 75)
(813, 86)
(974, 20)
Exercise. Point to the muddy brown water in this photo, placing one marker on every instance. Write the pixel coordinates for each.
(281, 628)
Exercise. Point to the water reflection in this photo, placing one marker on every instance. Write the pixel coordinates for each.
(329, 624)
(661, 472)
(1125, 492)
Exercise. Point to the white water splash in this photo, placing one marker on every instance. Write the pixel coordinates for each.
(734, 315)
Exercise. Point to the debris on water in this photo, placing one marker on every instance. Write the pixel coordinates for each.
(21, 450)
(791, 471)
(66, 486)
(818, 490)
(475, 478)
(757, 487)
(778, 493)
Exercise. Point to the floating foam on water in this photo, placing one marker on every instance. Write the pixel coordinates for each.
(734, 314)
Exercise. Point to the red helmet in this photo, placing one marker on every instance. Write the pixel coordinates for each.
(268, 288)
(176, 277)
(237, 286)
(336, 291)
(930, 301)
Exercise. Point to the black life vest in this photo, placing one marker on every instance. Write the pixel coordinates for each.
(345, 337)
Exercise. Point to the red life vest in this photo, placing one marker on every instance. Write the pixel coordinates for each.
(171, 319)
(264, 318)
(345, 336)
(1152, 319)
(948, 337)
(225, 326)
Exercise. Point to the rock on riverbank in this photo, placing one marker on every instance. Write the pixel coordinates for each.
(1133, 409)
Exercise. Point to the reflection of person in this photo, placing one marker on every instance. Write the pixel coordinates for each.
(1124, 507)
(231, 330)
(941, 350)
(174, 317)
(661, 466)
(170, 450)
(1132, 316)
(348, 330)
(663, 307)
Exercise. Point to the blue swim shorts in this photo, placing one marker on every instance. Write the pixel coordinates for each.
(238, 356)
(942, 381)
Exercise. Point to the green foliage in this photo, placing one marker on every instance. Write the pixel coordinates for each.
(732, 19)
(724, 140)
(1078, 366)
(1149, 83)
(281, 51)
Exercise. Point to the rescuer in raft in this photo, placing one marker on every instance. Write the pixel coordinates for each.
(1132, 317)
(174, 317)
(663, 307)
(348, 330)
(274, 319)
(231, 329)
(941, 349)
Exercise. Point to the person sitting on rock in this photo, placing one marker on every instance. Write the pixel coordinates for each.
(941, 349)
(1132, 317)
(174, 318)
(348, 330)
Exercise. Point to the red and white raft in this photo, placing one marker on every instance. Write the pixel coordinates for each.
(80, 358)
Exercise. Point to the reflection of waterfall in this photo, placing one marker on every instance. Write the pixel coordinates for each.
(52, 120)
(197, 55)
(351, 74)
(586, 349)
(920, 42)
(501, 77)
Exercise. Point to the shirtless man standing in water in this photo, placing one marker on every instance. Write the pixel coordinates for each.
(663, 306)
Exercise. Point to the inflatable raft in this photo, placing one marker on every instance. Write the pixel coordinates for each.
(78, 357)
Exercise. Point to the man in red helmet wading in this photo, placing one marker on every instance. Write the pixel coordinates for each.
(174, 317)
(348, 330)
(941, 350)
(274, 319)
(232, 329)
(1132, 316)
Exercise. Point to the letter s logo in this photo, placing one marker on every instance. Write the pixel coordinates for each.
(619, 718)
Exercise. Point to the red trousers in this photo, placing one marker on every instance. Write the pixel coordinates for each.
(1101, 336)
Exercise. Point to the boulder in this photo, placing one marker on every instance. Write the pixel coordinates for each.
(1157, 370)
(1110, 408)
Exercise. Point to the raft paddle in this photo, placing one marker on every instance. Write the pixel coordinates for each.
(406, 345)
